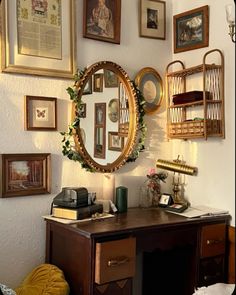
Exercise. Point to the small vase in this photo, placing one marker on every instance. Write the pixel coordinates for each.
(145, 196)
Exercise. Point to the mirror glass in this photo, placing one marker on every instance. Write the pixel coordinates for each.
(108, 117)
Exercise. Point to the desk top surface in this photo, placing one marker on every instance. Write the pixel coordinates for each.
(137, 219)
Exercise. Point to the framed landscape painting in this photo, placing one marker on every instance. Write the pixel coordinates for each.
(191, 29)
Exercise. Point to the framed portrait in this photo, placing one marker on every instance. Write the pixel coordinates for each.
(88, 87)
(100, 131)
(113, 110)
(25, 174)
(50, 50)
(152, 19)
(111, 79)
(102, 20)
(40, 113)
(115, 142)
(191, 29)
(98, 82)
(150, 84)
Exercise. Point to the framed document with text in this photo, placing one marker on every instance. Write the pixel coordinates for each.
(38, 37)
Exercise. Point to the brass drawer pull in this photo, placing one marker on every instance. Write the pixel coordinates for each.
(214, 242)
(213, 277)
(118, 261)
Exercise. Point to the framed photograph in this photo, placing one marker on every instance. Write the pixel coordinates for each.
(111, 79)
(98, 82)
(102, 20)
(153, 19)
(25, 174)
(88, 87)
(150, 84)
(40, 113)
(100, 131)
(191, 29)
(115, 142)
(50, 50)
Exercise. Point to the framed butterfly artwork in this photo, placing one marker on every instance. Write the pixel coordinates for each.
(40, 113)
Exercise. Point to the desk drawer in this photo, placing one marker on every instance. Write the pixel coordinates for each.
(213, 240)
(115, 260)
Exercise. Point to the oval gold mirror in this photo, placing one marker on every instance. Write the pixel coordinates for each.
(150, 84)
(108, 117)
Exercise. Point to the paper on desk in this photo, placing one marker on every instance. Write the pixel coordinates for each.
(70, 221)
(201, 210)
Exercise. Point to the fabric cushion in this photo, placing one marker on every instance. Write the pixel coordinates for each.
(46, 279)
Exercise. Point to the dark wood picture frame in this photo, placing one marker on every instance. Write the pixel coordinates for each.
(83, 110)
(111, 80)
(108, 30)
(40, 113)
(100, 131)
(115, 142)
(98, 82)
(187, 36)
(25, 174)
(88, 89)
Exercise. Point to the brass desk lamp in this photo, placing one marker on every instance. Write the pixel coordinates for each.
(177, 166)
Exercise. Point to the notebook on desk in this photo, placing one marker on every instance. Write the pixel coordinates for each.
(200, 211)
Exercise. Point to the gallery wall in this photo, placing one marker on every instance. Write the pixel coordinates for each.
(22, 227)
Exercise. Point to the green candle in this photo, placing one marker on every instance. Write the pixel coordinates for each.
(121, 198)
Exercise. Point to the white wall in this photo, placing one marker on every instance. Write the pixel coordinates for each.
(22, 229)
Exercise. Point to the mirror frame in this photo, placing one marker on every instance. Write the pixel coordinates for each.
(133, 112)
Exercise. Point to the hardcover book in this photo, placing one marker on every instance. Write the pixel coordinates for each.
(77, 213)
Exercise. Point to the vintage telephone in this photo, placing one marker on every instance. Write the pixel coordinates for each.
(72, 197)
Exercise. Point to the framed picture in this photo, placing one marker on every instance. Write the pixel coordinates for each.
(40, 113)
(88, 87)
(25, 174)
(115, 142)
(100, 131)
(150, 84)
(111, 79)
(102, 20)
(153, 19)
(113, 110)
(50, 50)
(98, 82)
(191, 29)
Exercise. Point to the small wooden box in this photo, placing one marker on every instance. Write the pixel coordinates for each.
(213, 240)
(115, 260)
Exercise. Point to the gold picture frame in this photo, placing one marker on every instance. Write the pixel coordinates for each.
(115, 142)
(150, 84)
(187, 37)
(152, 19)
(25, 174)
(51, 52)
(106, 29)
(40, 113)
(98, 82)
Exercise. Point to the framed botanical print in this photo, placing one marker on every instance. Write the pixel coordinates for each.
(25, 174)
(191, 29)
(152, 19)
(111, 79)
(40, 113)
(115, 142)
(50, 49)
(102, 20)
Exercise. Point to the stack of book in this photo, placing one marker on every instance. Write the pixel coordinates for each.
(76, 213)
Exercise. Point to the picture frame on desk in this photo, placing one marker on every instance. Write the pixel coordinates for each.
(54, 57)
(25, 174)
(191, 29)
(40, 113)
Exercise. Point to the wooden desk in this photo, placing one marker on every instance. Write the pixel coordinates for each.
(172, 253)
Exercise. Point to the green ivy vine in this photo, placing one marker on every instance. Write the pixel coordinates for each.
(68, 144)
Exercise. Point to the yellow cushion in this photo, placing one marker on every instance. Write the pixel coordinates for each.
(46, 279)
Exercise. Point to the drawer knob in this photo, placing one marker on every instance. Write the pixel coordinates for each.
(212, 277)
(214, 242)
(118, 261)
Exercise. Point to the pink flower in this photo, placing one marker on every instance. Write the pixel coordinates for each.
(151, 171)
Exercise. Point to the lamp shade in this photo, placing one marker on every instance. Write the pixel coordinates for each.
(176, 166)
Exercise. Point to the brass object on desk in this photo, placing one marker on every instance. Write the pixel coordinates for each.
(179, 167)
